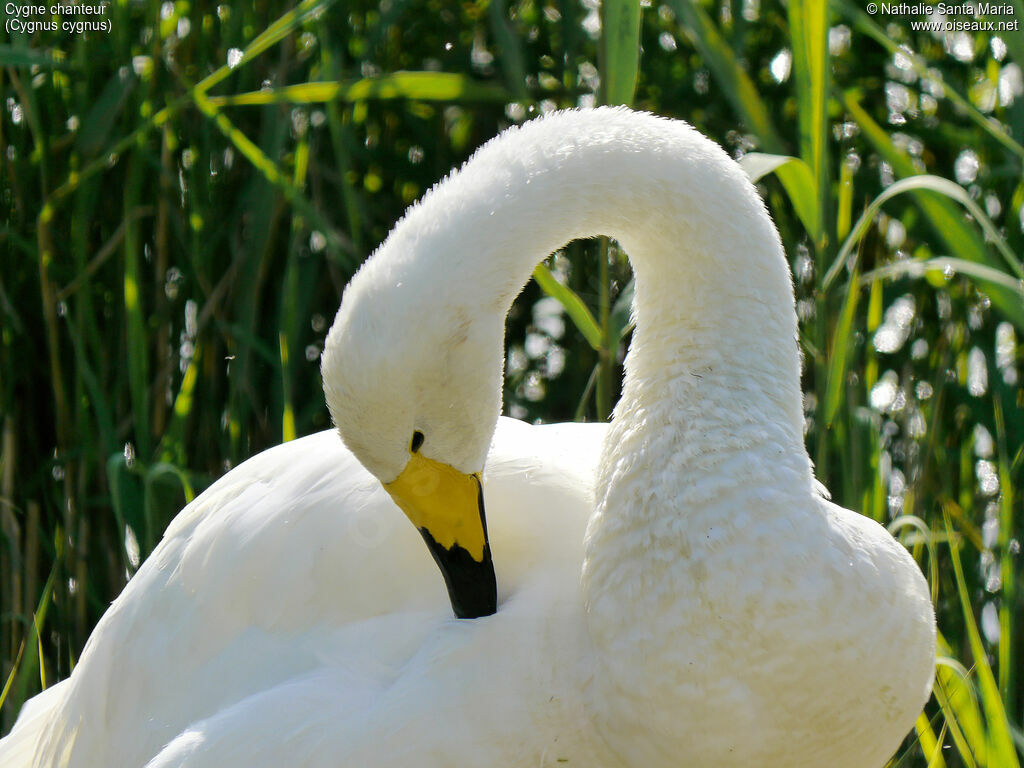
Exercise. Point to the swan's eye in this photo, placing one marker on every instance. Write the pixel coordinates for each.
(417, 441)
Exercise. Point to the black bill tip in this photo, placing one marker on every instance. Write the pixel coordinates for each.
(472, 587)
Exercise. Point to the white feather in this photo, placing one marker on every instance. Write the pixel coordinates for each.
(673, 588)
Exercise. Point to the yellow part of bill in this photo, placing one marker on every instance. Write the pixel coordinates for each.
(442, 500)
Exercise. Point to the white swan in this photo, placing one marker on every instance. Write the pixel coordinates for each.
(727, 614)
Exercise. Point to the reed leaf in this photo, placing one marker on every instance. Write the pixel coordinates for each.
(937, 184)
(20, 56)
(930, 745)
(1007, 656)
(943, 267)
(1000, 751)
(338, 245)
(620, 50)
(808, 29)
(578, 312)
(98, 123)
(34, 661)
(959, 706)
(961, 239)
(422, 86)
(273, 34)
(733, 78)
(868, 26)
(798, 181)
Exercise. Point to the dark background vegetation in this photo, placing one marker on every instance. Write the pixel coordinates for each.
(186, 195)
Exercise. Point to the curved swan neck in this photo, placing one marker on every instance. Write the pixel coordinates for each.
(713, 292)
(714, 301)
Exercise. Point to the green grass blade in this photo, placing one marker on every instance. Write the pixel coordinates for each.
(621, 321)
(937, 268)
(930, 745)
(796, 178)
(420, 86)
(959, 708)
(1008, 604)
(97, 124)
(574, 306)
(25, 58)
(273, 34)
(340, 132)
(936, 198)
(842, 340)
(339, 246)
(39, 654)
(38, 620)
(75, 178)
(844, 214)
(994, 128)
(91, 384)
(944, 187)
(13, 674)
(172, 444)
(291, 303)
(135, 316)
(288, 410)
(605, 353)
(733, 78)
(160, 504)
(581, 407)
(620, 50)
(1000, 744)
(808, 27)
(960, 237)
(513, 58)
(915, 522)
(924, 182)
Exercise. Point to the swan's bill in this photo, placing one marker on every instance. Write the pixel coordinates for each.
(447, 506)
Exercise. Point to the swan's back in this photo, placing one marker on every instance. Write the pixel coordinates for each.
(720, 615)
(294, 584)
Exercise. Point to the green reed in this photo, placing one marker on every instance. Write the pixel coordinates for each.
(188, 195)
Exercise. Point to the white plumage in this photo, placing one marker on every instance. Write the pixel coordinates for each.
(681, 596)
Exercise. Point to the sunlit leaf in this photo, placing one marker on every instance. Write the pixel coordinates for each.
(424, 86)
(573, 304)
(796, 178)
(620, 41)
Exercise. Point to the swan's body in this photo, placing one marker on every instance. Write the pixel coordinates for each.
(727, 614)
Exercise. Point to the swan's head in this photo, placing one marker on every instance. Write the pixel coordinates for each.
(413, 383)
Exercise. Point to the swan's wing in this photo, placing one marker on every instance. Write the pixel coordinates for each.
(294, 562)
(504, 690)
(538, 494)
(19, 746)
